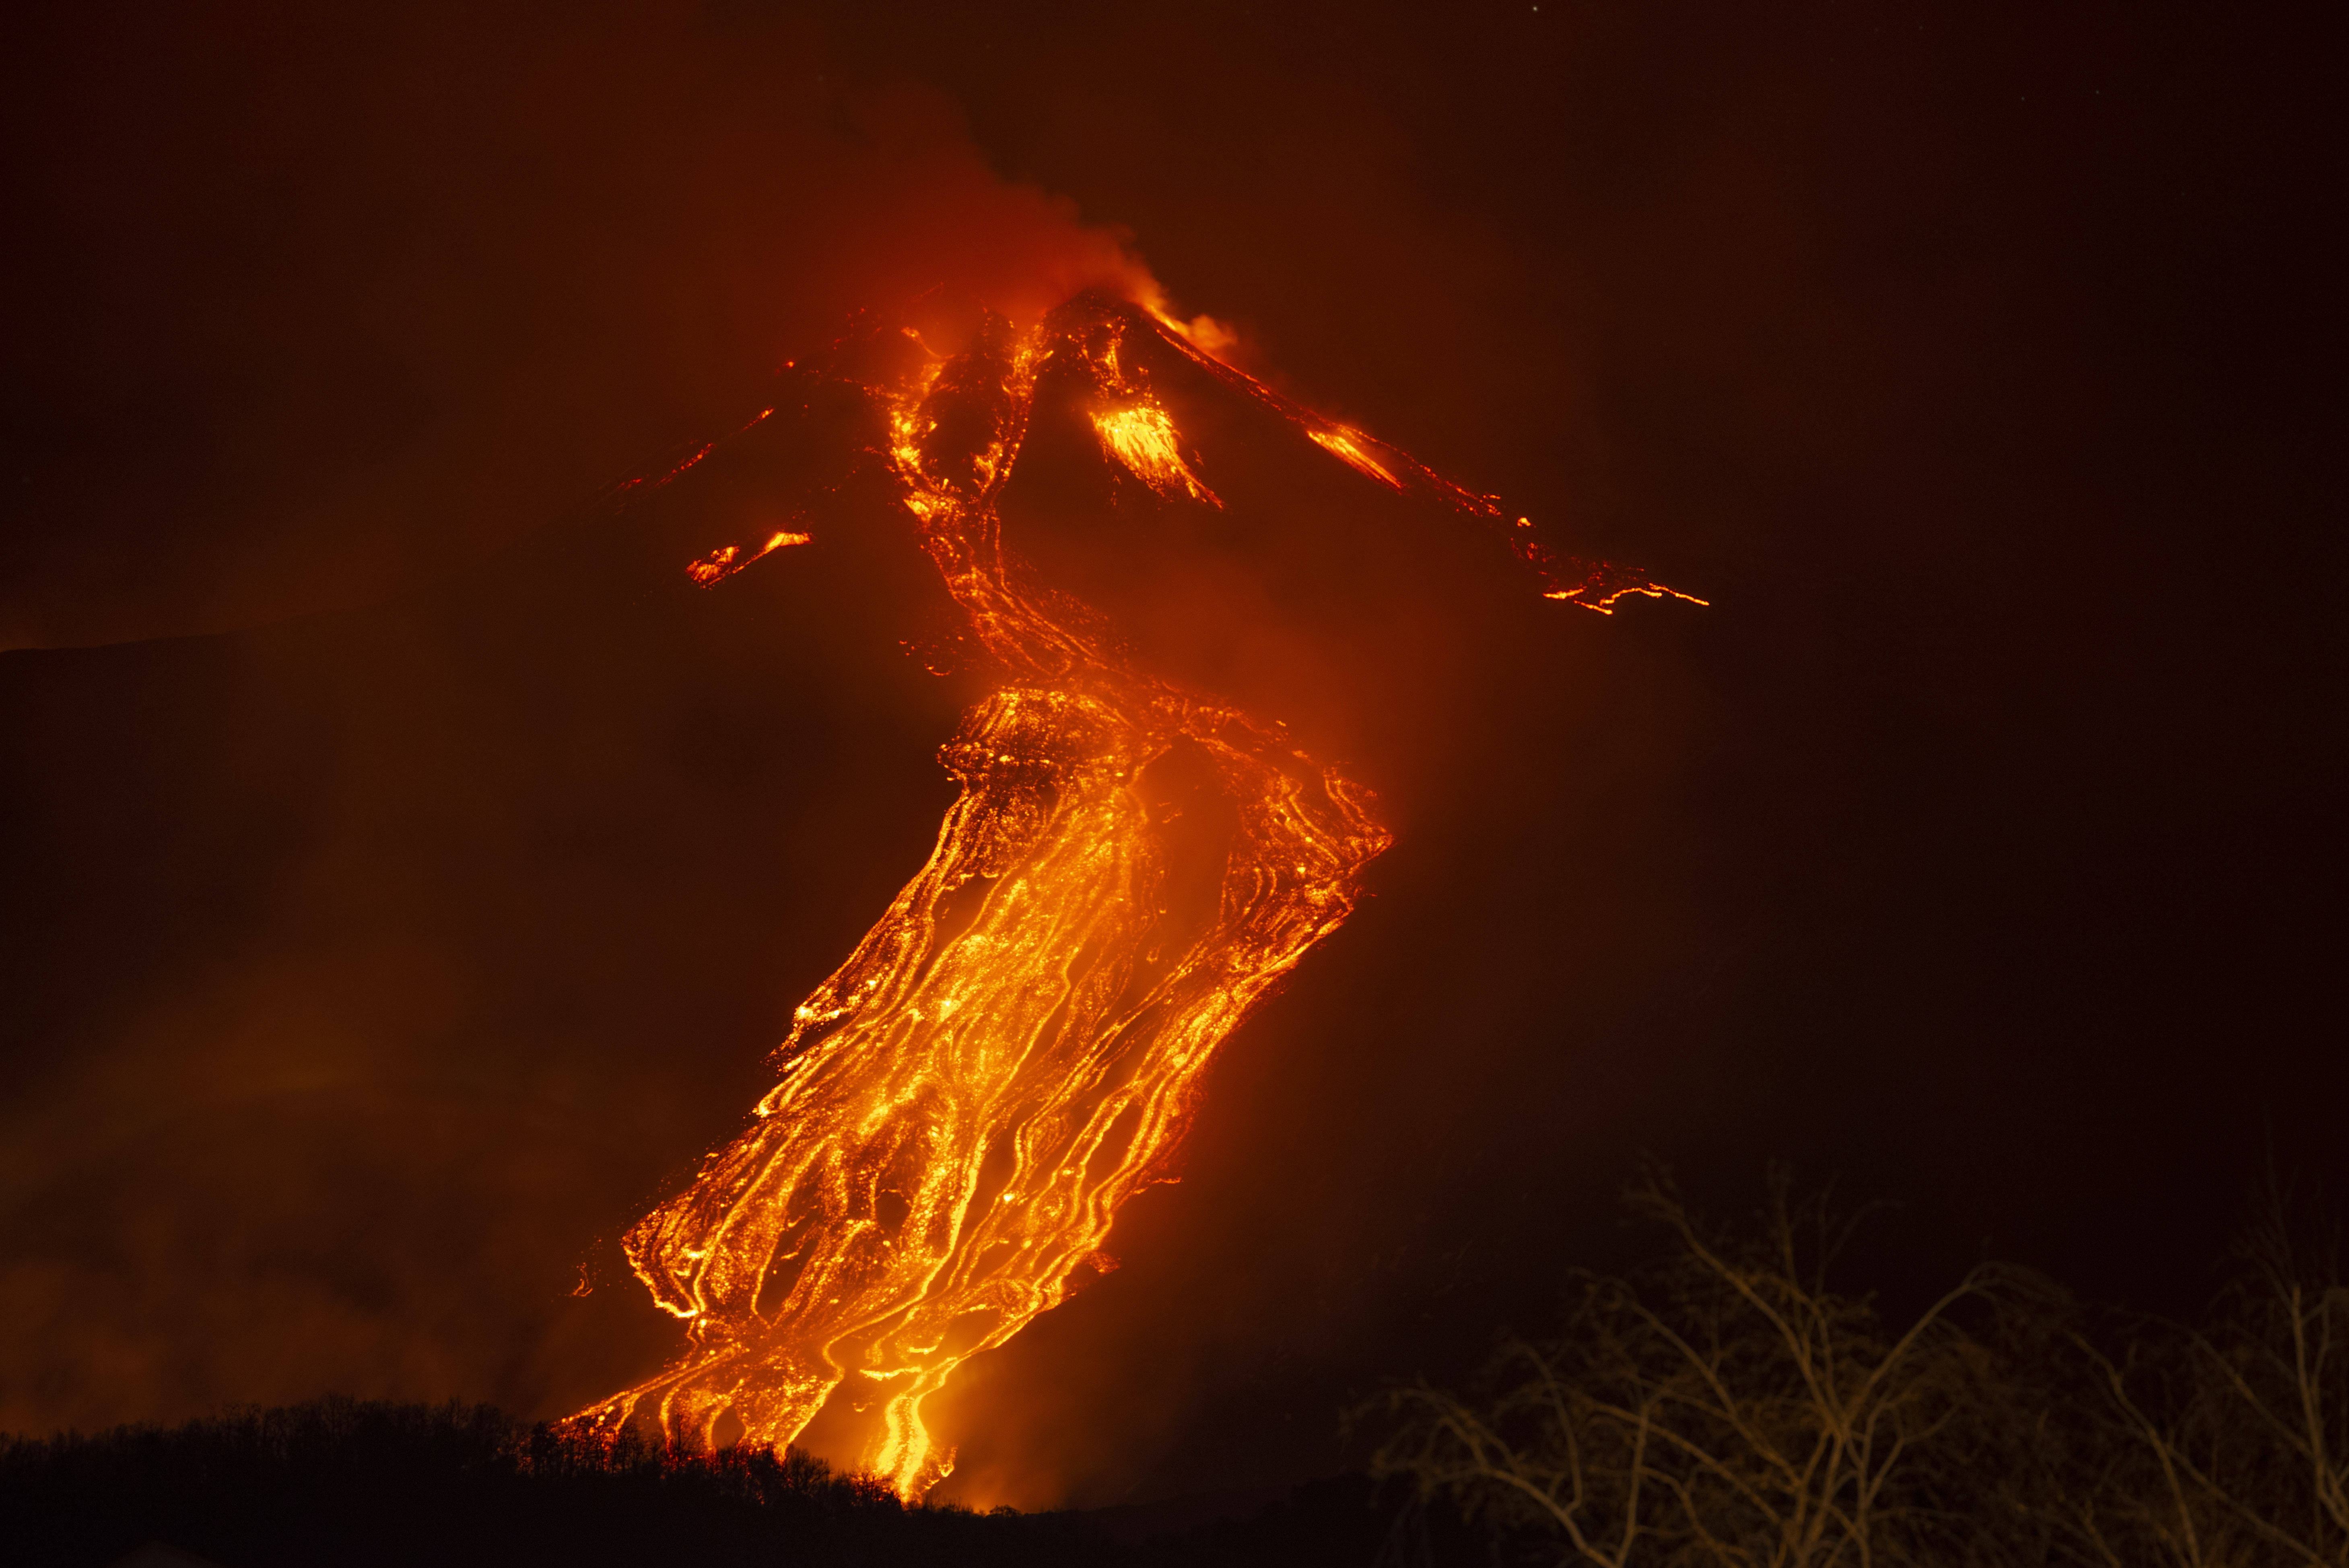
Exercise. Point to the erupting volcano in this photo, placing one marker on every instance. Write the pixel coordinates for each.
(1015, 1048)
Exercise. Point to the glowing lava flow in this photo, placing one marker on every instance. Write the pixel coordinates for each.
(1348, 444)
(1142, 438)
(1012, 1052)
(720, 564)
(965, 1103)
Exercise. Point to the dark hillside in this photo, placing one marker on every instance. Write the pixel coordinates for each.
(357, 1485)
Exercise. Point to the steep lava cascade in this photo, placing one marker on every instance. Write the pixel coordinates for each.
(1013, 1050)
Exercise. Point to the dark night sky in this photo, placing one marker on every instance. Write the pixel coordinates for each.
(414, 878)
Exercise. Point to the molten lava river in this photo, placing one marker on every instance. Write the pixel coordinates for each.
(1015, 1048)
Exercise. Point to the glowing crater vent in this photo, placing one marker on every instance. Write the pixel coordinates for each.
(1142, 438)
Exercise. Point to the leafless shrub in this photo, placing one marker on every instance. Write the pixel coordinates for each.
(2225, 1446)
(1727, 1408)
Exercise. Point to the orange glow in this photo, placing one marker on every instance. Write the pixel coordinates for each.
(1014, 1049)
(1591, 584)
(1203, 332)
(677, 467)
(1348, 444)
(720, 564)
(1605, 605)
(1603, 586)
(1142, 438)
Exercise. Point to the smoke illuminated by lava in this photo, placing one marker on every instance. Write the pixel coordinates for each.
(1014, 1050)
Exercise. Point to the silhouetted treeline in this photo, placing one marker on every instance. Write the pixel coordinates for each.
(341, 1483)
(1727, 1406)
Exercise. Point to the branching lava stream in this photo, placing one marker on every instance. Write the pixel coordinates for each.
(1013, 1050)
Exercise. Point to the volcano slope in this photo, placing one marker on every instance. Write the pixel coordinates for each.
(374, 965)
(1014, 1051)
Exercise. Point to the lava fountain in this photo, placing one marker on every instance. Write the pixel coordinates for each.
(1015, 1048)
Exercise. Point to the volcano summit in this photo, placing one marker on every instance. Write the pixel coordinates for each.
(1014, 1050)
